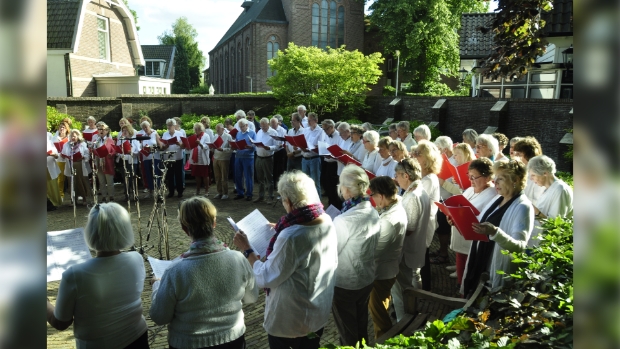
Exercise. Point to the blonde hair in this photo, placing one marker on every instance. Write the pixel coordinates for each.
(79, 134)
(514, 169)
(197, 217)
(147, 119)
(465, 148)
(400, 146)
(431, 153)
(355, 179)
(205, 121)
(385, 142)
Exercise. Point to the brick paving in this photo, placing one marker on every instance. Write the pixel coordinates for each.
(255, 335)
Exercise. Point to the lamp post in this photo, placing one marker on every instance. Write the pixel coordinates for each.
(463, 74)
(249, 77)
(397, 66)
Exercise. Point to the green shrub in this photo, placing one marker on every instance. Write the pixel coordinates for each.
(53, 118)
(566, 177)
(200, 90)
(434, 131)
(389, 90)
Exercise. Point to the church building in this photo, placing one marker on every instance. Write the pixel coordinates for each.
(238, 63)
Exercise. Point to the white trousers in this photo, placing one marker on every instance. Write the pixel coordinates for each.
(106, 184)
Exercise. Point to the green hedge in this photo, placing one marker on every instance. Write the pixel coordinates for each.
(53, 119)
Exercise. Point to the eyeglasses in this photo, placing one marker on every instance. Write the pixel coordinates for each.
(416, 153)
(479, 146)
(472, 178)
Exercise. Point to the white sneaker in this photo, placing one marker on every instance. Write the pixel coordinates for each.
(218, 196)
(224, 197)
(145, 191)
(451, 268)
(453, 275)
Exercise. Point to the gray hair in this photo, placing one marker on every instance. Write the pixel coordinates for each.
(199, 126)
(171, 122)
(490, 142)
(515, 140)
(145, 123)
(218, 126)
(392, 127)
(411, 167)
(344, 126)
(296, 117)
(303, 107)
(274, 119)
(239, 114)
(244, 122)
(470, 135)
(372, 137)
(355, 179)
(367, 126)
(313, 116)
(540, 164)
(327, 122)
(444, 142)
(264, 120)
(91, 118)
(108, 228)
(228, 121)
(423, 131)
(403, 125)
(298, 188)
(278, 117)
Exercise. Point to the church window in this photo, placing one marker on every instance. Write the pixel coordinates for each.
(272, 52)
(327, 24)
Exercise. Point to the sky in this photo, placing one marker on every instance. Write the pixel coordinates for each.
(210, 18)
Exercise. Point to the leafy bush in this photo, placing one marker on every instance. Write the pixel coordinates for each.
(534, 311)
(434, 131)
(389, 90)
(200, 90)
(54, 118)
(566, 177)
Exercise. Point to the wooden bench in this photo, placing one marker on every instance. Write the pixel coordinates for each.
(413, 320)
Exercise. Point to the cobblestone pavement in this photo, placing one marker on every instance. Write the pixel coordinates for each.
(255, 335)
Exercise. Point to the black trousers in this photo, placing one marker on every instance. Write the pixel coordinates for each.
(238, 343)
(279, 166)
(329, 182)
(295, 343)
(425, 272)
(141, 343)
(174, 176)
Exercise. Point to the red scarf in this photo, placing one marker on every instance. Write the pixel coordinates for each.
(195, 150)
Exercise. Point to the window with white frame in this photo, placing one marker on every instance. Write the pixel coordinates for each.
(154, 68)
(535, 84)
(272, 52)
(103, 38)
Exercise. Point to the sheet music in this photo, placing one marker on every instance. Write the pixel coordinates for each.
(159, 266)
(333, 211)
(323, 148)
(257, 228)
(232, 224)
(64, 249)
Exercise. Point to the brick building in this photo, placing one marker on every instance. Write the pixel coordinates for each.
(238, 63)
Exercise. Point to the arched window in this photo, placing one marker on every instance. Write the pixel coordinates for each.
(328, 24)
(272, 52)
(247, 65)
(226, 66)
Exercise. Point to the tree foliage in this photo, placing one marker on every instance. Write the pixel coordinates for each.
(425, 33)
(518, 37)
(133, 13)
(181, 28)
(181, 83)
(326, 81)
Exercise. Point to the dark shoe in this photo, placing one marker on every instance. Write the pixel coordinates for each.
(170, 194)
(259, 199)
(249, 198)
(440, 259)
(238, 197)
(180, 195)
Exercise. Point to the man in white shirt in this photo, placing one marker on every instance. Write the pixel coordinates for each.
(344, 129)
(329, 170)
(264, 159)
(279, 157)
(294, 153)
(221, 162)
(402, 129)
(302, 113)
(240, 114)
(311, 162)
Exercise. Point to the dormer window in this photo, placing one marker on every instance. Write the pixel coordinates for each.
(154, 68)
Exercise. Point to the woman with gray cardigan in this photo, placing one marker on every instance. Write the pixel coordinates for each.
(190, 298)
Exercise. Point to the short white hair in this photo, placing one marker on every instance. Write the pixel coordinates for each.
(540, 164)
(298, 188)
(392, 127)
(274, 119)
(470, 135)
(264, 120)
(344, 126)
(218, 126)
(423, 131)
(108, 228)
(145, 123)
(91, 118)
(367, 126)
(328, 122)
(372, 137)
(514, 140)
(278, 117)
(199, 126)
(444, 142)
(355, 179)
(244, 122)
(302, 107)
(171, 122)
(403, 125)
(490, 141)
(239, 113)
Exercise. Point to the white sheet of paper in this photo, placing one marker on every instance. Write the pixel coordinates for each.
(257, 228)
(159, 266)
(64, 249)
(323, 148)
(232, 224)
(332, 211)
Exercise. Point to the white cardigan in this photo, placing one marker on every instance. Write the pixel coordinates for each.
(68, 151)
(203, 153)
(417, 204)
(556, 201)
(512, 235)
(430, 183)
(358, 232)
(390, 245)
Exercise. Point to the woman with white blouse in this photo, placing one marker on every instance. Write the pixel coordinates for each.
(53, 194)
(105, 165)
(481, 192)
(502, 142)
(524, 150)
(130, 159)
(141, 157)
(356, 150)
(102, 296)
(199, 158)
(299, 267)
(152, 161)
(386, 164)
(357, 229)
(370, 139)
(174, 159)
(393, 221)
(556, 200)
(91, 126)
(417, 205)
(77, 148)
(61, 136)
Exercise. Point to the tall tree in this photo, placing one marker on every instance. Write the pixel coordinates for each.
(195, 59)
(134, 13)
(425, 33)
(327, 81)
(181, 83)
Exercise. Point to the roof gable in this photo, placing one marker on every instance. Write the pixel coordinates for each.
(266, 11)
(473, 42)
(163, 52)
(559, 19)
(62, 20)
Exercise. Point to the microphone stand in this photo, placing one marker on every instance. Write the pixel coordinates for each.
(94, 173)
(125, 174)
(73, 174)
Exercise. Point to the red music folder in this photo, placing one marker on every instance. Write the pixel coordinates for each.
(459, 173)
(278, 138)
(463, 218)
(335, 150)
(233, 133)
(146, 151)
(170, 141)
(88, 135)
(239, 145)
(58, 146)
(346, 159)
(461, 201)
(370, 174)
(126, 147)
(297, 141)
(445, 172)
(117, 149)
(217, 143)
(189, 142)
(103, 150)
(76, 157)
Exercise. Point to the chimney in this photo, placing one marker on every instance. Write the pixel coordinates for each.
(247, 4)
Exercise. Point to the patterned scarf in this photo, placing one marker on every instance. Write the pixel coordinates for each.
(349, 204)
(298, 216)
(195, 150)
(386, 208)
(205, 246)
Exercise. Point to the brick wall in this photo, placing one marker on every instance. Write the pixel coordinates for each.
(547, 120)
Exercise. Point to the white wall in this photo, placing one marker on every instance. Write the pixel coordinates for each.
(153, 87)
(116, 89)
(56, 78)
